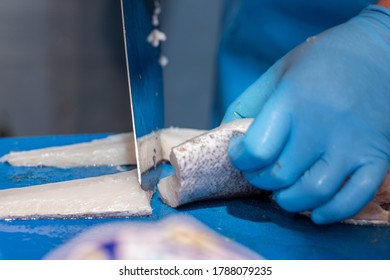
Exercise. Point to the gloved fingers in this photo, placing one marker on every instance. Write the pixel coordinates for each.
(252, 100)
(297, 157)
(315, 187)
(263, 141)
(353, 196)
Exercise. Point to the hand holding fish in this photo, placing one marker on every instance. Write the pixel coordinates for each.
(321, 135)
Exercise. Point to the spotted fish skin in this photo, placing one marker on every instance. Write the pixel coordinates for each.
(203, 169)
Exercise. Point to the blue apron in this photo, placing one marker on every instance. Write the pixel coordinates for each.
(256, 33)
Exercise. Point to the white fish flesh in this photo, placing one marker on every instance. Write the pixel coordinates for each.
(117, 195)
(110, 151)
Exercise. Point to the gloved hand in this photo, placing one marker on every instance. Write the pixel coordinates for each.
(321, 134)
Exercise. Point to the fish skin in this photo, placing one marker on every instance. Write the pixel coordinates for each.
(203, 169)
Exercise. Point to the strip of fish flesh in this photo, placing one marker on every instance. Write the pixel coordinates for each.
(117, 195)
(110, 151)
(175, 237)
(203, 171)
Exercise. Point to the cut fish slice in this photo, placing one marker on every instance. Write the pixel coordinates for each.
(203, 169)
(110, 151)
(117, 195)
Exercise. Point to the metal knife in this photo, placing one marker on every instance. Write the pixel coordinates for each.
(145, 82)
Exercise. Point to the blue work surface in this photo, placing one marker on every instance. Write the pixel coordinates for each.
(254, 222)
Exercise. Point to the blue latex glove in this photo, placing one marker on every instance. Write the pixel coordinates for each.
(321, 134)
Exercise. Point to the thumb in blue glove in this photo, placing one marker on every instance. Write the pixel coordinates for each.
(321, 134)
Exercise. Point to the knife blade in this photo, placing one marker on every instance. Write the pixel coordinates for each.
(145, 82)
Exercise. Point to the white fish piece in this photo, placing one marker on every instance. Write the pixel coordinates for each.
(174, 238)
(173, 136)
(116, 195)
(156, 147)
(113, 150)
(203, 169)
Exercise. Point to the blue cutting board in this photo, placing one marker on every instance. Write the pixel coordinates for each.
(254, 222)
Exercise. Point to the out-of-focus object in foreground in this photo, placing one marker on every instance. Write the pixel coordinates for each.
(176, 237)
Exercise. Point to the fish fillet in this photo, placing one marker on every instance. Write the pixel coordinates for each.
(203, 171)
(110, 151)
(117, 195)
(176, 237)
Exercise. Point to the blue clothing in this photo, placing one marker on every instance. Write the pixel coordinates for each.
(256, 33)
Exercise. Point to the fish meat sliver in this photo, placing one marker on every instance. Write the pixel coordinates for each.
(113, 150)
(372, 214)
(173, 136)
(203, 169)
(383, 195)
(116, 195)
(155, 147)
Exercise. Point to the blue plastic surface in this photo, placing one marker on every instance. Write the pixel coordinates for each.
(254, 222)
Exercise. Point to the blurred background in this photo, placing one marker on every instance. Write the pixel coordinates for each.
(63, 71)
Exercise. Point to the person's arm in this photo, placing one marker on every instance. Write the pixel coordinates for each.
(384, 3)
